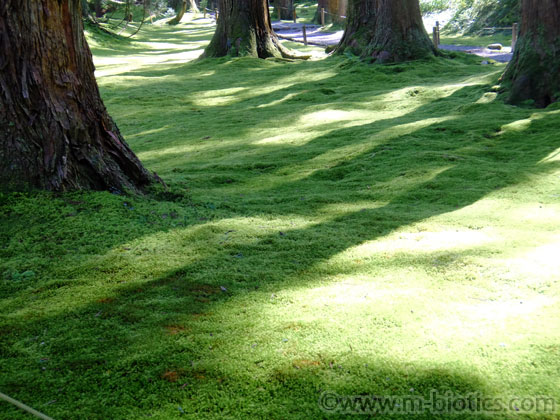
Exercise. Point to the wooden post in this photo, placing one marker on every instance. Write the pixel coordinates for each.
(322, 16)
(514, 36)
(295, 15)
(204, 12)
(216, 14)
(435, 36)
(304, 35)
(438, 38)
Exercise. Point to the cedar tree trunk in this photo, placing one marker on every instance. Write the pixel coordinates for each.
(180, 13)
(534, 72)
(55, 132)
(386, 31)
(98, 9)
(284, 9)
(335, 11)
(244, 29)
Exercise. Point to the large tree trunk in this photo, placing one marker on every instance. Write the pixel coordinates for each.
(55, 131)
(244, 29)
(534, 72)
(335, 11)
(386, 31)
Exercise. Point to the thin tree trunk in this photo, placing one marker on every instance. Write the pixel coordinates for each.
(180, 14)
(56, 133)
(244, 29)
(385, 31)
(534, 72)
(85, 9)
(98, 9)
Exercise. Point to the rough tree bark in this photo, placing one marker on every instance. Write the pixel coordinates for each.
(534, 72)
(386, 31)
(55, 132)
(335, 11)
(244, 29)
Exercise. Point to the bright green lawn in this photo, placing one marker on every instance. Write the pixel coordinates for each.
(329, 225)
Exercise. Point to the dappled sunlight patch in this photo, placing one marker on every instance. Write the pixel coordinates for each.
(517, 126)
(538, 265)
(148, 132)
(413, 96)
(552, 157)
(424, 242)
(188, 151)
(112, 66)
(287, 97)
(487, 98)
(217, 97)
(294, 138)
(362, 289)
(334, 115)
(229, 96)
(340, 209)
(363, 144)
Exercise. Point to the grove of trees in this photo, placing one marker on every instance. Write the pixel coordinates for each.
(57, 134)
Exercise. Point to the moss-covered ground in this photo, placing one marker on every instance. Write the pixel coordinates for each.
(328, 225)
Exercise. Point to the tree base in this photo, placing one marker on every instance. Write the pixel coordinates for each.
(533, 75)
(386, 31)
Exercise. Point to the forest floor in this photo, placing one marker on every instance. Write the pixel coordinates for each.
(329, 226)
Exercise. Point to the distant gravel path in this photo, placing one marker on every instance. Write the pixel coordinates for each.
(293, 32)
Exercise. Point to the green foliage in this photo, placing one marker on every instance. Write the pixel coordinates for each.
(473, 16)
(434, 6)
(329, 225)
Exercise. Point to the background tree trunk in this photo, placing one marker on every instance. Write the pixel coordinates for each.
(55, 131)
(85, 9)
(244, 29)
(534, 72)
(335, 11)
(284, 9)
(386, 31)
(180, 13)
(98, 8)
